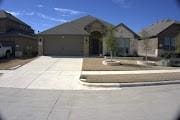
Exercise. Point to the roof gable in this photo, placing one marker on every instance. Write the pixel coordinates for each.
(75, 27)
(157, 28)
(4, 15)
(127, 28)
(66, 28)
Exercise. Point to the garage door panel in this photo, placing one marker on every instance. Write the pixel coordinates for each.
(63, 47)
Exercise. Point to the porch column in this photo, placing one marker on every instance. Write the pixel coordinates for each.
(104, 46)
(40, 46)
(86, 46)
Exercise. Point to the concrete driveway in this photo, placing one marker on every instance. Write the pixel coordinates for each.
(46, 73)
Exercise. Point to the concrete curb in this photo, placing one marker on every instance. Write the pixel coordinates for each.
(16, 67)
(137, 84)
(129, 72)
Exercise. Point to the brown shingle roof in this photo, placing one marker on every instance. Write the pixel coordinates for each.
(75, 27)
(158, 27)
(4, 15)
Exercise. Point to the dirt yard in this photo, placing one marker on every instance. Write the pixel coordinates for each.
(95, 64)
(12, 63)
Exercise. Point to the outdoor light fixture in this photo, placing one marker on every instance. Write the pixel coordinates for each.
(17, 46)
(86, 41)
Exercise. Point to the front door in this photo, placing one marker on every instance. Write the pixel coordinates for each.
(95, 46)
(95, 43)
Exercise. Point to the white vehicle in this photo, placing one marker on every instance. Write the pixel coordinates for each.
(5, 51)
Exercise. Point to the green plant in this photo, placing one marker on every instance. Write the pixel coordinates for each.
(144, 36)
(111, 42)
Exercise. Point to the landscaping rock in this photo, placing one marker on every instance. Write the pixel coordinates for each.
(147, 63)
(111, 63)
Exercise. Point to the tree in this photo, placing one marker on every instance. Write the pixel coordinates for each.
(178, 43)
(144, 36)
(110, 41)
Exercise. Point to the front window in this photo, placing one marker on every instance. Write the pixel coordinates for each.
(173, 42)
(169, 43)
(123, 46)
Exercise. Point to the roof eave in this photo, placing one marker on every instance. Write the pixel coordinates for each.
(61, 34)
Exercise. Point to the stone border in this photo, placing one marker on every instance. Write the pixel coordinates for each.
(146, 63)
(111, 63)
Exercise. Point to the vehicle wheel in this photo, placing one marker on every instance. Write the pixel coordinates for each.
(8, 54)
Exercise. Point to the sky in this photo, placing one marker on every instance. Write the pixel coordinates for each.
(136, 14)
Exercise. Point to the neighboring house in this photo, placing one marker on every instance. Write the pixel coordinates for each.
(17, 34)
(178, 43)
(127, 40)
(80, 37)
(83, 37)
(161, 38)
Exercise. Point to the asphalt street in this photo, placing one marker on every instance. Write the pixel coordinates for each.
(137, 103)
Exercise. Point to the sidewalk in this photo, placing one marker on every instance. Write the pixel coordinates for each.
(5, 71)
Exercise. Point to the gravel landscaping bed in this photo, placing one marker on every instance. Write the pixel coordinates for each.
(132, 78)
(95, 64)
